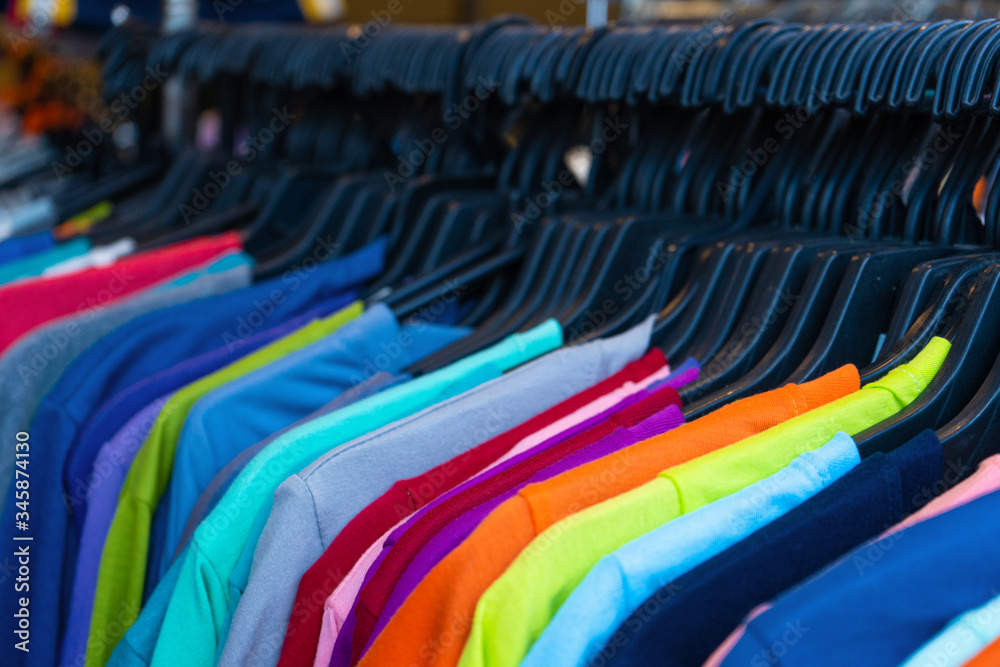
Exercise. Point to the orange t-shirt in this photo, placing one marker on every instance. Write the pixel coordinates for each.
(988, 657)
(431, 626)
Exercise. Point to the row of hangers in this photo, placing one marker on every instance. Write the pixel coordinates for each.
(859, 233)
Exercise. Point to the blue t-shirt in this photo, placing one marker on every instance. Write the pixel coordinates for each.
(20, 247)
(683, 622)
(305, 300)
(886, 598)
(128, 402)
(235, 416)
(144, 346)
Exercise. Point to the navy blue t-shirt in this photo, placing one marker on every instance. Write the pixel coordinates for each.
(885, 599)
(686, 620)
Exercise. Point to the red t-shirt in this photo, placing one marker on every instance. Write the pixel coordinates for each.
(29, 304)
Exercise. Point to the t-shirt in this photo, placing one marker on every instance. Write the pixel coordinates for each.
(25, 246)
(416, 546)
(31, 303)
(445, 541)
(110, 468)
(667, 377)
(339, 605)
(683, 622)
(35, 264)
(985, 480)
(407, 496)
(442, 605)
(39, 358)
(989, 657)
(246, 410)
(322, 499)
(964, 637)
(198, 608)
(80, 462)
(621, 581)
(135, 350)
(512, 613)
(122, 573)
(907, 588)
(210, 497)
(231, 322)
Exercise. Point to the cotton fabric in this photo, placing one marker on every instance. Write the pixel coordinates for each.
(328, 493)
(685, 620)
(198, 607)
(516, 608)
(619, 582)
(443, 604)
(409, 495)
(949, 558)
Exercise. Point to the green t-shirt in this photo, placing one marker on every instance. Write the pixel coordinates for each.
(198, 608)
(122, 573)
(516, 608)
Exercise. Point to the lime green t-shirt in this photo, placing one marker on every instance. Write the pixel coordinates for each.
(122, 572)
(516, 608)
(196, 614)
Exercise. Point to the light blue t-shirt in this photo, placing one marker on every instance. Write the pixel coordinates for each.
(198, 607)
(962, 640)
(233, 417)
(622, 581)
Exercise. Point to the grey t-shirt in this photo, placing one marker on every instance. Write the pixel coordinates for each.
(312, 507)
(31, 367)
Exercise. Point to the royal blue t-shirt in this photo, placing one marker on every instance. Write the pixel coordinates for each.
(686, 620)
(142, 347)
(20, 247)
